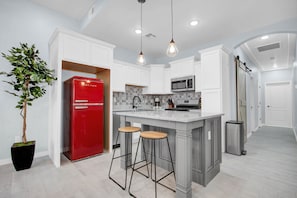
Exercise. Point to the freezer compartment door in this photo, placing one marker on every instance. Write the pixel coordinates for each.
(86, 131)
(88, 91)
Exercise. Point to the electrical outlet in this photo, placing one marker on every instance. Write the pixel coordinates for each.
(209, 135)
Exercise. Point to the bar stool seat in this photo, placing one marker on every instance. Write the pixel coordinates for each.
(129, 129)
(125, 130)
(153, 136)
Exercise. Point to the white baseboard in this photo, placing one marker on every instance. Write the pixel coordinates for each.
(36, 155)
(249, 135)
(256, 129)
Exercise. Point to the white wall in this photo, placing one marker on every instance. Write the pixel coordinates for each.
(295, 100)
(25, 21)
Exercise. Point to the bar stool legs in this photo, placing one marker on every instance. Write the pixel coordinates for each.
(153, 160)
(113, 158)
(126, 130)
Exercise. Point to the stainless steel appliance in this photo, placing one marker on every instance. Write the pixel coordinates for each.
(235, 137)
(185, 105)
(186, 83)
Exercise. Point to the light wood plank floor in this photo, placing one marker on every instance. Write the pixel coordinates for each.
(269, 170)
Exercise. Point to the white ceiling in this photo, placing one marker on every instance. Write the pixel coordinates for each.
(76, 9)
(114, 21)
(279, 51)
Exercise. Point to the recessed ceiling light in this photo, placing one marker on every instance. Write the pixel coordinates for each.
(138, 31)
(274, 65)
(264, 37)
(194, 23)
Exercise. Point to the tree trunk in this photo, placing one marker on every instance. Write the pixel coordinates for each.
(24, 137)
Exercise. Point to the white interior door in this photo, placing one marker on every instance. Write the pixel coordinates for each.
(278, 104)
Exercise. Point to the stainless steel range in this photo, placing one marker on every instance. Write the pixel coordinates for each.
(185, 105)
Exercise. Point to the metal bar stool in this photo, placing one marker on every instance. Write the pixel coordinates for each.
(153, 136)
(126, 130)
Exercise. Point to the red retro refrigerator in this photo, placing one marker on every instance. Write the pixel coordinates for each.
(83, 117)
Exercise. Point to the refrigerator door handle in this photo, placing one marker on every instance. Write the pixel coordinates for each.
(81, 100)
(80, 107)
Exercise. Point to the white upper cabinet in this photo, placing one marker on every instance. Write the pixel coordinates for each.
(128, 74)
(100, 55)
(182, 67)
(211, 69)
(198, 80)
(157, 78)
(78, 48)
(75, 49)
(117, 79)
(215, 84)
(167, 81)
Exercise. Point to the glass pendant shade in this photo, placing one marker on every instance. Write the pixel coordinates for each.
(172, 49)
(141, 59)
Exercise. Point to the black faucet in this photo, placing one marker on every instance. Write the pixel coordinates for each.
(133, 102)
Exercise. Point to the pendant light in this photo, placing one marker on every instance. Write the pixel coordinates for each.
(172, 48)
(141, 59)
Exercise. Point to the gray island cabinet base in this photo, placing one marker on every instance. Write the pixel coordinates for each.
(195, 142)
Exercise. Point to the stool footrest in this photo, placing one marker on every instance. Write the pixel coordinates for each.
(136, 169)
(122, 155)
(158, 181)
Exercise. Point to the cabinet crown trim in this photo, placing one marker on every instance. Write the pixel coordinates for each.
(59, 31)
(217, 47)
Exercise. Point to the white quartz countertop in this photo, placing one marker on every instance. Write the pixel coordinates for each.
(176, 116)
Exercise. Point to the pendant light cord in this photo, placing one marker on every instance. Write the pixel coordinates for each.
(171, 20)
(141, 27)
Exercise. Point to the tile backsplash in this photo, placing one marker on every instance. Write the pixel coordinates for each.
(123, 100)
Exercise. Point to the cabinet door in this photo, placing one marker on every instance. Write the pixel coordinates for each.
(211, 101)
(156, 80)
(211, 70)
(118, 83)
(198, 81)
(130, 75)
(101, 56)
(75, 49)
(167, 80)
(143, 77)
(183, 67)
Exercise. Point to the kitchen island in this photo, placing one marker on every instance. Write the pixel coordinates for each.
(195, 141)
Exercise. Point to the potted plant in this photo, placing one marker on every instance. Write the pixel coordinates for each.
(27, 77)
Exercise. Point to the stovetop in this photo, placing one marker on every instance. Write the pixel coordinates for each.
(185, 105)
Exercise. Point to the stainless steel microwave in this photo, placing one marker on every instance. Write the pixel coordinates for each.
(186, 83)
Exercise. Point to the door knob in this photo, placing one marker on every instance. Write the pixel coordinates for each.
(268, 106)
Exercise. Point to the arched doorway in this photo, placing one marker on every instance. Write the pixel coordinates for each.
(271, 58)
